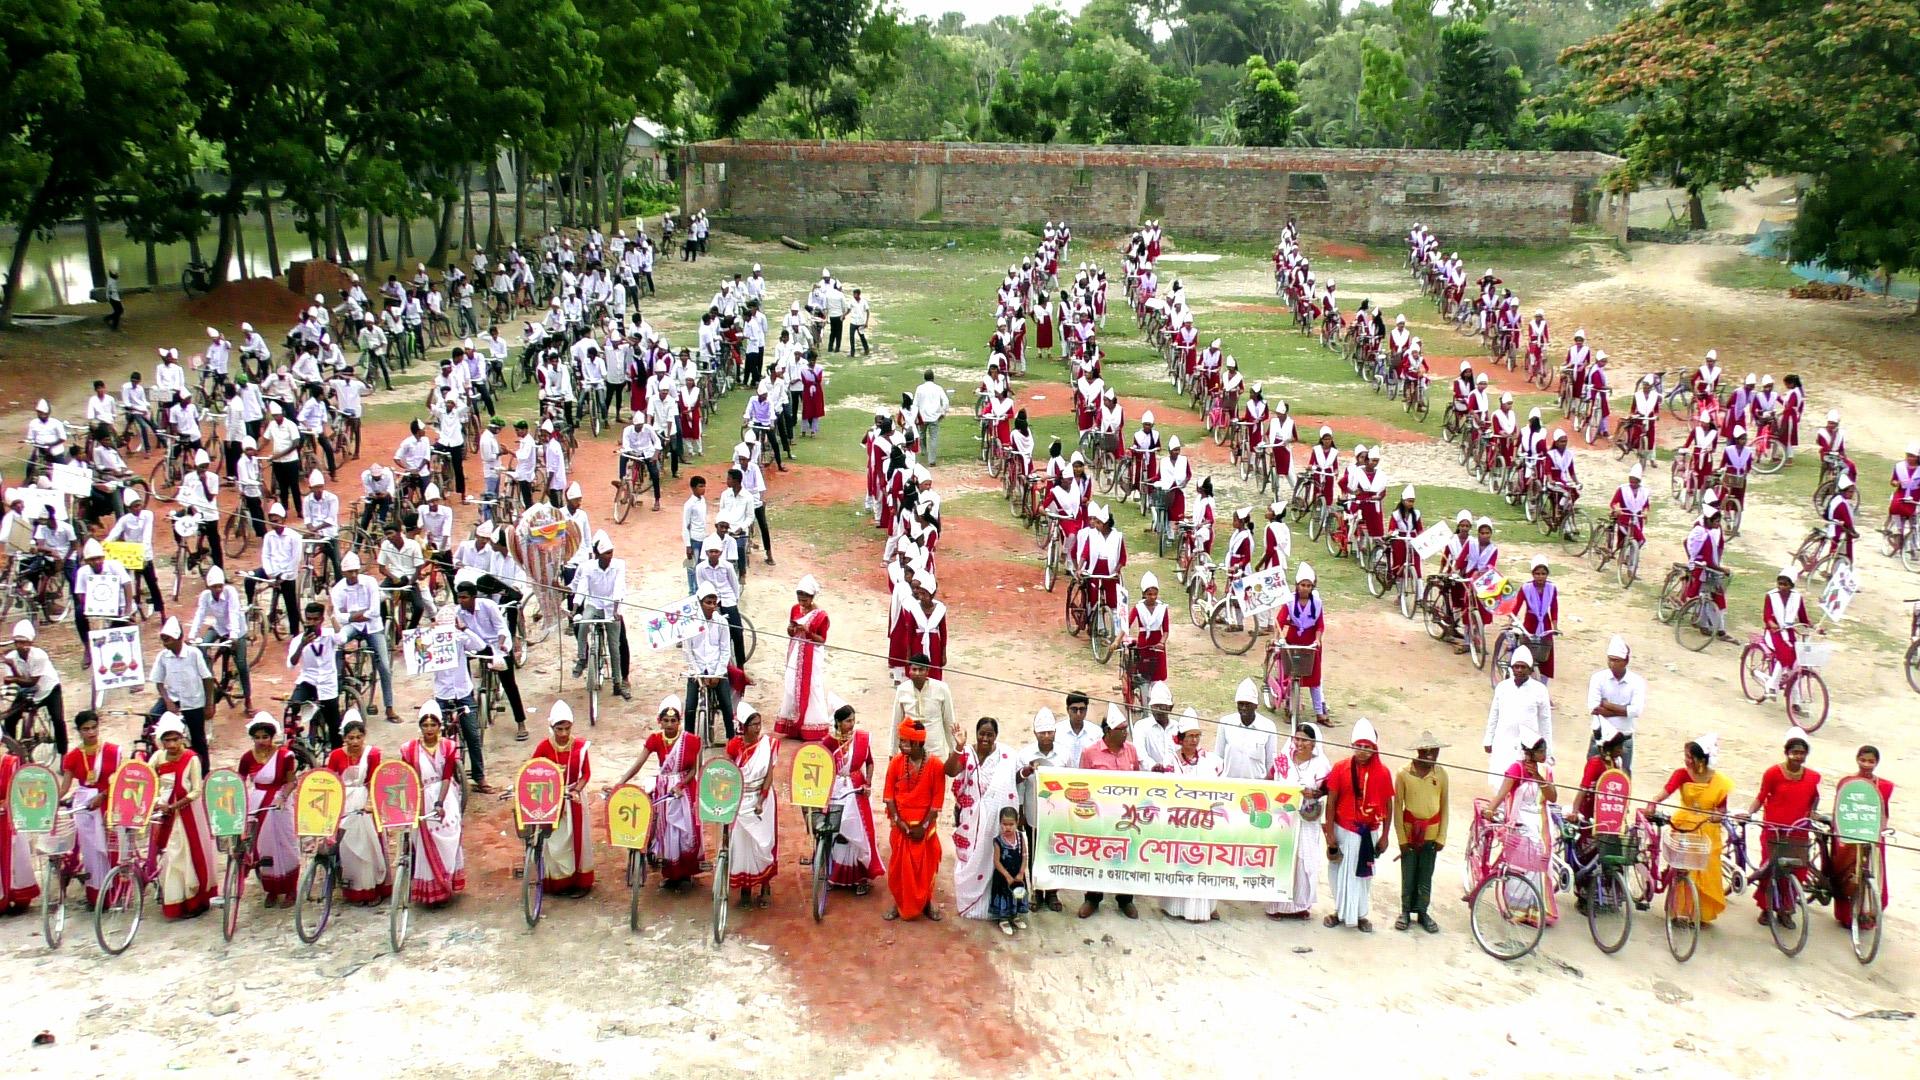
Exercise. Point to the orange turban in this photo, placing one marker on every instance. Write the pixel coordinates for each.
(912, 730)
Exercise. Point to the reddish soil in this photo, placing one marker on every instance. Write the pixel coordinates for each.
(1446, 368)
(813, 485)
(1350, 252)
(261, 301)
(1348, 428)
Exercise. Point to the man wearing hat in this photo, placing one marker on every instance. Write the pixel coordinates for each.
(220, 615)
(1520, 703)
(1247, 742)
(1359, 801)
(599, 589)
(279, 565)
(356, 608)
(109, 578)
(1420, 827)
(1616, 696)
(31, 672)
(1046, 751)
(184, 685)
(1114, 753)
(281, 441)
(200, 492)
(1157, 736)
(706, 656)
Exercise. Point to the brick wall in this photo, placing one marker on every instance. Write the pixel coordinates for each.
(1236, 192)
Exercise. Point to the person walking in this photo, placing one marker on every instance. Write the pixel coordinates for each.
(859, 314)
(1616, 694)
(114, 301)
(1420, 826)
(930, 403)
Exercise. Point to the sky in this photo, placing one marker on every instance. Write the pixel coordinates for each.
(979, 11)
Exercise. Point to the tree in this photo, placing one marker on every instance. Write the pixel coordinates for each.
(1385, 93)
(1268, 102)
(1860, 218)
(1474, 95)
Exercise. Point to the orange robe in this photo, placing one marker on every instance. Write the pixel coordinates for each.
(913, 864)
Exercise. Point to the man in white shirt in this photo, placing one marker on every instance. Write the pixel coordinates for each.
(706, 655)
(598, 589)
(135, 526)
(1520, 703)
(858, 315)
(485, 618)
(1616, 694)
(927, 700)
(1248, 742)
(200, 492)
(400, 558)
(184, 685)
(716, 572)
(220, 615)
(453, 690)
(110, 579)
(139, 410)
(1156, 738)
(30, 670)
(279, 565)
(314, 657)
(320, 514)
(693, 525)
(930, 403)
(356, 607)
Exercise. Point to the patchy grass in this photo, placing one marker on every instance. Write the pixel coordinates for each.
(1754, 272)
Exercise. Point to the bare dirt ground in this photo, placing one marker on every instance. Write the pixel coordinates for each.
(479, 995)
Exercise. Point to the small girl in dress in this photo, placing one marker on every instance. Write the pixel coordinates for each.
(1009, 900)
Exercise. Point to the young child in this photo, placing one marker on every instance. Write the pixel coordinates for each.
(1009, 900)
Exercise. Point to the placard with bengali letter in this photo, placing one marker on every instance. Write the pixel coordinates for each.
(1157, 834)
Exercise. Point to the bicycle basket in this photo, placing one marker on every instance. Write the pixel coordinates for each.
(1620, 850)
(1685, 851)
(61, 840)
(1713, 581)
(1790, 853)
(1299, 661)
(1815, 655)
(828, 820)
(1520, 849)
(1158, 496)
(1541, 647)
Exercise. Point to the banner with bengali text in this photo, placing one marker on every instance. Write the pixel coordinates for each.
(1158, 834)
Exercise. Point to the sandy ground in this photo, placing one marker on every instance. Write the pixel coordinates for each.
(478, 994)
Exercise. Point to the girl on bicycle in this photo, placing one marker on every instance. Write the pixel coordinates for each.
(1540, 615)
(441, 869)
(569, 847)
(84, 775)
(1403, 525)
(365, 877)
(269, 771)
(183, 838)
(1783, 614)
(1789, 793)
(675, 846)
(1521, 801)
(1838, 515)
(856, 860)
(754, 848)
(1020, 448)
(1302, 621)
(1703, 803)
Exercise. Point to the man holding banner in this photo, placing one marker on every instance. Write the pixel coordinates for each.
(1113, 754)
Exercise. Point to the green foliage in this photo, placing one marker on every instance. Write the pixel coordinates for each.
(1475, 98)
(1385, 91)
(1269, 100)
(1860, 217)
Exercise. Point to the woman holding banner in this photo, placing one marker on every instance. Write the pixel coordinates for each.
(1303, 762)
(675, 847)
(754, 848)
(18, 887)
(84, 775)
(1190, 760)
(363, 854)
(569, 847)
(986, 778)
(856, 862)
(268, 770)
(441, 869)
(183, 836)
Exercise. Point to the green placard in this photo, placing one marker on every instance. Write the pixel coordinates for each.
(32, 799)
(720, 787)
(226, 796)
(1857, 812)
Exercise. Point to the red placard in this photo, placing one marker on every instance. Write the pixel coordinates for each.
(538, 792)
(130, 798)
(1610, 793)
(396, 795)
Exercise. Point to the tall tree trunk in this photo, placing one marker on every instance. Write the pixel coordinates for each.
(313, 228)
(193, 245)
(374, 238)
(1696, 212)
(273, 241)
(599, 181)
(466, 197)
(240, 242)
(16, 266)
(96, 254)
(519, 194)
(229, 227)
(443, 231)
(330, 224)
(340, 238)
(546, 206)
(153, 266)
(493, 200)
(619, 184)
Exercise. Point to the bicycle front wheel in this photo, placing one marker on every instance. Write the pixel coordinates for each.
(1507, 916)
(1864, 930)
(53, 904)
(722, 892)
(1627, 564)
(313, 902)
(636, 881)
(1100, 633)
(533, 873)
(1693, 628)
(1610, 910)
(749, 637)
(1230, 628)
(233, 882)
(1789, 899)
(117, 912)
(822, 853)
(1683, 918)
(1807, 700)
(1754, 665)
(400, 903)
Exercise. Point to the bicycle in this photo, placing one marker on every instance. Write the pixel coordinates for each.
(1820, 559)
(1505, 908)
(1800, 687)
(1665, 869)
(1444, 618)
(1511, 638)
(1405, 584)
(825, 827)
(122, 901)
(1700, 621)
(1280, 679)
(1087, 610)
(1913, 648)
(1902, 539)
(1616, 544)
(600, 659)
(33, 739)
(60, 867)
(1560, 515)
(243, 858)
(533, 870)
(1600, 882)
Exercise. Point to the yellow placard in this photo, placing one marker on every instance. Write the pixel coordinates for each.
(127, 553)
(629, 817)
(318, 804)
(812, 777)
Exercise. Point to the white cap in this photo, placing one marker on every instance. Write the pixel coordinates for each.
(1147, 417)
(1749, 379)
(1607, 728)
(171, 628)
(1913, 449)
(601, 542)
(1173, 443)
(1161, 694)
(1363, 731)
(172, 723)
(1462, 516)
(1617, 648)
(1325, 431)
(1044, 721)
(1149, 581)
(92, 549)
(132, 497)
(1582, 332)
(274, 408)
(1539, 563)
(1407, 492)
(23, 631)
(263, 719)
(807, 585)
(706, 587)
(1506, 399)
(350, 561)
(316, 478)
(1844, 482)
(1559, 433)
(200, 458)
(432, 492)
(1833, 416)
(216, 577)
(1305, 573)
(573, 490)
(1636, 472)
(1246, 692)
(1189, 721)
(1116, 716)
(276, 510)
(561, 713)
(1523, 655)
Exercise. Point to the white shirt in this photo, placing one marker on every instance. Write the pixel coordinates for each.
(487, 621)
(600, 589)
(183, 676)
(280, 554)
(457, 681)
(707, 649)
(35, 664)
(352, 598)
(930, 402)
(1154, 742)
(223, 610)
(100, 409)
(1246, 751)
(318, 662)
(1516, 707)
(1628, 692)
(693, 520)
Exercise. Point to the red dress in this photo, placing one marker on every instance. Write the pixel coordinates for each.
(576, 767)
(678, 861)
(1150, 634)
(18, 884)
(1845, 854)
(853, 761)
(919, 631)
(1784, 802)
(813, 393)
(1306, 623)
(199, 842)
(1539, 613)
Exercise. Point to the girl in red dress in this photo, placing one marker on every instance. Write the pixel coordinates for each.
(183, 837)
(269, 772)
(856, 858)
(1867, 758)
(569, 847)
(85, 773)
(1788, 794)
(676, 843)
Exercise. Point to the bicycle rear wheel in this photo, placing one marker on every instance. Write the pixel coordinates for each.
(749, 637)
(1864, 930)
(1788, 939)
(313, 901)
(53, 904)
(1408, 594)
(533, 886)
(1048, 572)
(1377, 575)
(117, 912)
(1683, 919)
(1610, 910)
(400, 903)
(1693, 628)
(1507, 916)
(622, 503)
(1229, 627)
(1753, 673)
(822, 853)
